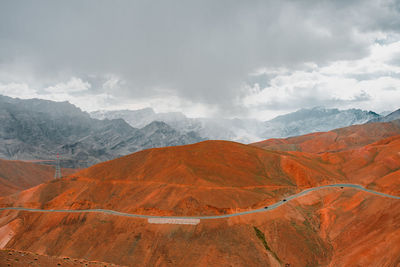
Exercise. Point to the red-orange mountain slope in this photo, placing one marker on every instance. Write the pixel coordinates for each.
(211, 177)
(10, 257)
(331, 227)
(336, 140)
(19, 175)
(363, 154)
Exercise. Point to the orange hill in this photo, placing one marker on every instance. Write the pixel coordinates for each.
(198, 179)
(376, 166)
(18, 175)
(364, 154)
(331, 227)
(337, 140)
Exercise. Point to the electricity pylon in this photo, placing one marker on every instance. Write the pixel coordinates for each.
(57, 174)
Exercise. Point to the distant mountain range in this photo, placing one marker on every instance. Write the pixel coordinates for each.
(247, 130)
(395, 115)
(328, 227)
(38, 129)
(219, 129)
(317, 119)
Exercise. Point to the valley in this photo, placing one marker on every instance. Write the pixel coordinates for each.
(240, 204)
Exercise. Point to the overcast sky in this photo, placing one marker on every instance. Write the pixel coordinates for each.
(205, 58)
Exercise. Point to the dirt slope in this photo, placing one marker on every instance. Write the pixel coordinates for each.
(211, 177)
(351, 137)
(326, 228)
(331, 227)
(18, 175)
(10, 257)
(376, 166)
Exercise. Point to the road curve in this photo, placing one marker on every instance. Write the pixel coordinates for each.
(271, 207)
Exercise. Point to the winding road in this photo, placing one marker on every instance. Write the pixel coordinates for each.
(271, 207)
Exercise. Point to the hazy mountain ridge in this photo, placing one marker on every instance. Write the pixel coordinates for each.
(247, 130)
(221, 178)
(38, 129)
(395, 115)
(317, 119)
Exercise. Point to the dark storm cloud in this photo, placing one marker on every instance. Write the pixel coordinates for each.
(200, 50)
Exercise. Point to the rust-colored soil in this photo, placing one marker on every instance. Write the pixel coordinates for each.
(211, 177)
(337, 140)
(330, 227)
(10, 257)
(19, 175)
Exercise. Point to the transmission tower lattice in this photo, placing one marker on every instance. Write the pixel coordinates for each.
(57, 174)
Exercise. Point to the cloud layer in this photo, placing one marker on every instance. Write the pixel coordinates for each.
(201, 57)
(372, 82)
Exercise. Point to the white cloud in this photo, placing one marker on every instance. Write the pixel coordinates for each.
(74, 85)
(113, 82)
(75, 90)
(20, 90)
(372, 83)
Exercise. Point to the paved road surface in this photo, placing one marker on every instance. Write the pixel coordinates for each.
(271, 207)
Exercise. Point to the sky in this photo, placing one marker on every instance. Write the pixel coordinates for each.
(246, 59)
